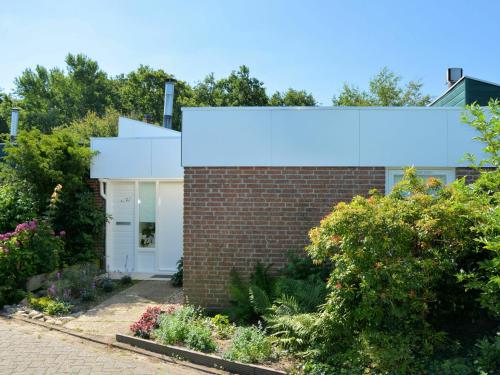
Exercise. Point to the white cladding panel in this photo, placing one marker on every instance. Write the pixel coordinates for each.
(337, 132)
(326, 136)
(128, 128)
(220, 137)
(394, 138)
(130, 158)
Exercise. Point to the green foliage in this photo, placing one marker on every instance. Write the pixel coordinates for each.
(221, 325)
(125, 280)
(177, 277)
(31, 249)
(185, 326)
(249, 345)
(16, 205)
(55, 97)
(487, 359)
(42, 162)
(77, 281)
(293, 98)
(292, 328)
(49, 306)
(385, 90)
(393, 286)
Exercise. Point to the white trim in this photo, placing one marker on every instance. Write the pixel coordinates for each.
(391, 172)
(314, 108)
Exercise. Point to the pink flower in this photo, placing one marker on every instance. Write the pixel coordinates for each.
(62, 233)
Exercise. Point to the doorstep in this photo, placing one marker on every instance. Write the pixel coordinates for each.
(140, 276)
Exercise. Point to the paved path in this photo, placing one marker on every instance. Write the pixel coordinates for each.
(28, 349)
(117, 313)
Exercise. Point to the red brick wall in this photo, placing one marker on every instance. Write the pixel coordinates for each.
(235, 216)
(101, 203)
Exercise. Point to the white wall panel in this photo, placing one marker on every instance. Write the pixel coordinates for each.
(131, 158)
(325, 136)
(394, 138)
(300, 138)
(227, 138)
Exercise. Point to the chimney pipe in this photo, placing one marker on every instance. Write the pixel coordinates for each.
(453, 75)
(14, 121)
(168, 107)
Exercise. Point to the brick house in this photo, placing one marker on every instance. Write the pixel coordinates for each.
(242, 185)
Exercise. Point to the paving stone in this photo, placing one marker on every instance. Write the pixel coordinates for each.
(28, 349)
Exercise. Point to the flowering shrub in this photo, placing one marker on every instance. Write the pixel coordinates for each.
(149, 320)
(32, 248)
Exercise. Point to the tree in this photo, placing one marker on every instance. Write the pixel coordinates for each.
(6, 104)
(142, 92)
(293, 98)
(50, 98)
(238, 89)
(385, 89)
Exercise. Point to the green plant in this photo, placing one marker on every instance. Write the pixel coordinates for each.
(250, 299)
(57, 308)
(199, 337)
(185, 325)
(74, 281)
(32, 248)
(487, 359)
(249, 345)
(223, 328)
(107, 285)
(49, 306)
(176, 278)
(126, 280)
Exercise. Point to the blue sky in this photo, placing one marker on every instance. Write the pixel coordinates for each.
(311, 45)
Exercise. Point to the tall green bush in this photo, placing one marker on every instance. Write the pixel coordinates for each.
(44, 161)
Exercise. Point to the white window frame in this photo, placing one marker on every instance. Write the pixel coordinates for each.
(390, 173)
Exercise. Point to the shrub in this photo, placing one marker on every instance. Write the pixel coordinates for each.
(42, 161)
(249, 345)
(74, 281)
(32, 248)
(199, 337)
(222, 327)
(185, 326)
(107, 285)
(149, 321)
(125, 280)
(394, 285)
(176, 279)
(16, 205)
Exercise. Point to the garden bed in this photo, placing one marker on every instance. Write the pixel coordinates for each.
(67, 294)
(198, 358)
(184, 331)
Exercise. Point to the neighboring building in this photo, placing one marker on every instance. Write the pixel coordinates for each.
(464, 90)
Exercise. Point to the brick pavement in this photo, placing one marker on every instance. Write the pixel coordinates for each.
(28, 349)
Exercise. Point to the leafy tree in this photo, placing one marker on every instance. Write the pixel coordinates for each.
(54, 97)
(93, 125)
(385, 89)
(6, 105)
(238, 89)
(298, 98)
(142, 92)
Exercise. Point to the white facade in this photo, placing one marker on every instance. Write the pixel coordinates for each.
(142, 181)
(326, 136)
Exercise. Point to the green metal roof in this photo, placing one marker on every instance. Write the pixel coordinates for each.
(468, 90)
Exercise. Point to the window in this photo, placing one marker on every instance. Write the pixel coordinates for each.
(147, 214)
(393, 176)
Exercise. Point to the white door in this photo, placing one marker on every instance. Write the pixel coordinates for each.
(170, 225)
(120, 229)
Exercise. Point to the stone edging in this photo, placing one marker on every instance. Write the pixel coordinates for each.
(199, 358)
(114, 344)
